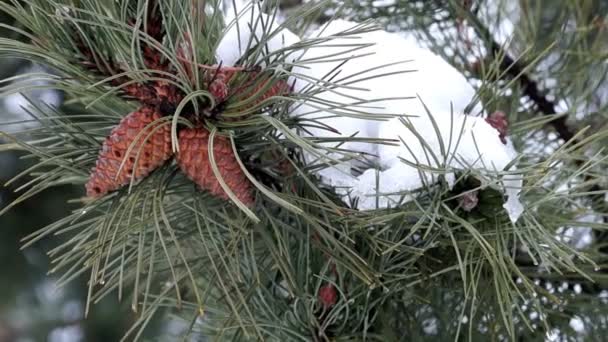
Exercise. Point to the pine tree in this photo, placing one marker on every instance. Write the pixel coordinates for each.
(204, 197)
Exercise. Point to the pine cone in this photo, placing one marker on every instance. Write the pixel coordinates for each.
(277, 89)
(219, 88)
(151, 93)
(280, 88)
(153, 59)
(193, 159)
(218, 84)
(156, 149)
(254, 95)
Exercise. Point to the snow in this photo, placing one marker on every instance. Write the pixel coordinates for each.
(579, 236)
(500, 17)
(438, 84)
(248, 29)
(367, 83)
(70, 333)
(383, 3)
(430, 326)
(458, 141)
(577, 324)
(513, 205)
(230, 7)
(468, 142)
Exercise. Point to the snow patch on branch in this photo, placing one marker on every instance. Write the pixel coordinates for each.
(394, 73)
(382, 89)
(247, 28)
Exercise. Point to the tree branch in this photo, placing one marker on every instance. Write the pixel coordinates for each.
(511, 69)
(514, 70)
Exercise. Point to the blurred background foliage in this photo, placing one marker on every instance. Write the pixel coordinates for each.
(32, 308)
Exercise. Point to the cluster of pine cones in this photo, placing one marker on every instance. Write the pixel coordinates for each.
(141, 142)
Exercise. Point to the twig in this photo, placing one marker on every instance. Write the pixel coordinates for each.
(157, 93)
(514, 70)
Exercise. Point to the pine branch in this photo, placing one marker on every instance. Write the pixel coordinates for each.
(510, 69)
(264, 280)
(157, 93)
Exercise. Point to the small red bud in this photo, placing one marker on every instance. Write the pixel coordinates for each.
(328, 296)
(499, 121)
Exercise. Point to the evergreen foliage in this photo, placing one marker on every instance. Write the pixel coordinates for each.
(299, 264)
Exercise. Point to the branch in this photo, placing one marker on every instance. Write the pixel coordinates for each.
(163, 95)
(531, 89)
(514, 70)
(511, 69)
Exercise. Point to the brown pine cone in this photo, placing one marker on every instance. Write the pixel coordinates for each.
(107, 175)
(254, 94)
(218, 84)
(193, 159)
(279, 88)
